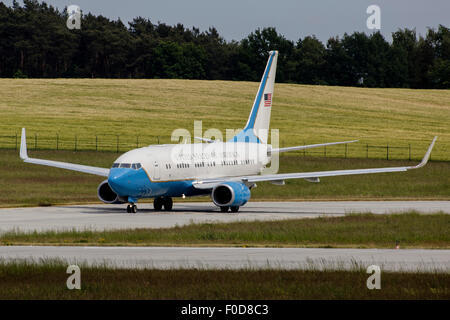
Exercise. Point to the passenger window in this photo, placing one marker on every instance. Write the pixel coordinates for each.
(115, 165)
(125, 165)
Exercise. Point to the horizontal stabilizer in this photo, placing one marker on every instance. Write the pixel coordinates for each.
(205, 139)
(279, 150)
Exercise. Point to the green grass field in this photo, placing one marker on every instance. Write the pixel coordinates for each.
(48, 281)
(410, 230)
(25, 184)
(150, 108)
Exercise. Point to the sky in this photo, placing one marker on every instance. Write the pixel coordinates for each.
(236, 19)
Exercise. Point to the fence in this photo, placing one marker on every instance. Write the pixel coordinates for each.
(116, 143)
(388, 152)
(406, 151)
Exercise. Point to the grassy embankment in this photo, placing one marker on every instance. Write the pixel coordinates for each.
(410, 230)
(48, 281)
(24, 184)
(150, 108)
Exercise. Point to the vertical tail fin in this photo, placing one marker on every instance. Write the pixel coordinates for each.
(257, 127)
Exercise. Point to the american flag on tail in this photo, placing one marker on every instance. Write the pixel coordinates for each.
(267, 99)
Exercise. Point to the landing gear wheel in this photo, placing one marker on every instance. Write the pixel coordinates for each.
(224, 209)
(132, 208)
(157, 204)
(168, 203)
(234, 208)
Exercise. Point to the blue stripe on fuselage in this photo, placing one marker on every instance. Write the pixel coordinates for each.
(137, 184)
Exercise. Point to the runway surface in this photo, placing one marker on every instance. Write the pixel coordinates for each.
(102, 217)
(237, 258)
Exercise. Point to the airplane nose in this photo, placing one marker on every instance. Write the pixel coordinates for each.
(120, 180)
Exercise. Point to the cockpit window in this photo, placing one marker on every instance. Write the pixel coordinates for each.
(135, 166)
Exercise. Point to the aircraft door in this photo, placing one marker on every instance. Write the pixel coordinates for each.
(156, 175)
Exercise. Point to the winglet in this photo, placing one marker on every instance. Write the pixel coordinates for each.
(426, 156)
(23, 145)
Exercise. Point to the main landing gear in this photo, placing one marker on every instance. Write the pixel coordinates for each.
(132, 208)
(167, 202)
(233, 209)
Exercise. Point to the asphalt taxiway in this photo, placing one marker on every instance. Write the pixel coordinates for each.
(102, 217)
(236, 258)
(105, 217)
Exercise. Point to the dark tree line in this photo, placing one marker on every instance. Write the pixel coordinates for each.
(35, 42)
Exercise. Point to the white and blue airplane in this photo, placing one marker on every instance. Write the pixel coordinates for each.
(226, 171)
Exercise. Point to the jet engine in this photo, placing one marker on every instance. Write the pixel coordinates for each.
(230, 194)
(107, 195)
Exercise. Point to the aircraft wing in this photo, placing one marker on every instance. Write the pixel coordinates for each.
(310, 176)
(57, 164)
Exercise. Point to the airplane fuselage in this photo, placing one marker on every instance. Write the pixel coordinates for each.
(170, 169)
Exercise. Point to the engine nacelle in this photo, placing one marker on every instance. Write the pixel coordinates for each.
(107, 195)
(230, 194)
